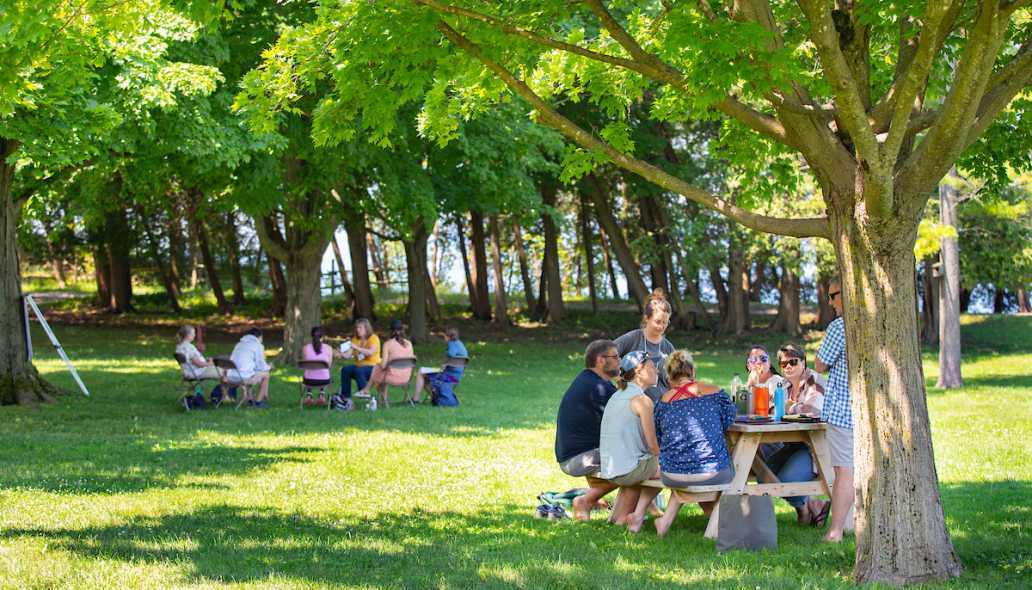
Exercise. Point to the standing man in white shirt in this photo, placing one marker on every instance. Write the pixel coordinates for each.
(249, 357)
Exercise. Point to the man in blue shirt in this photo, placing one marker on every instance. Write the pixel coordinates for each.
(831, 358)
(579, 422)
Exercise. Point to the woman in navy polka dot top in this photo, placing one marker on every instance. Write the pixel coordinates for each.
(691, 419)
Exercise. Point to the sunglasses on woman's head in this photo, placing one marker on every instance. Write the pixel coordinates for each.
(788, 363)
(759, 359)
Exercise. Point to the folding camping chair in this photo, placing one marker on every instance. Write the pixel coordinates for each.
(233, 377)
(190, 384)
(304, 384)
(401, 363)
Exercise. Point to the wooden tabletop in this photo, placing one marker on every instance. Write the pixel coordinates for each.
(777, 427)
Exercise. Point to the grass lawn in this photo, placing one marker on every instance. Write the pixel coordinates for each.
(125, 490)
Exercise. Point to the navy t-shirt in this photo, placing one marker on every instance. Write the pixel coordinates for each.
(580, 415)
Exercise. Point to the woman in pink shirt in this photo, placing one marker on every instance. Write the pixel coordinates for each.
(316, 350)
(397, 347)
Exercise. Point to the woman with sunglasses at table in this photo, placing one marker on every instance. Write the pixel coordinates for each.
(804, 394)
(761, 371)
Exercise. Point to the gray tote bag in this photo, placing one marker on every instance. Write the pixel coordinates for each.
(746, 522)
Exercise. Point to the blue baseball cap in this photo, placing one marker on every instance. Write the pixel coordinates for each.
(631, 360)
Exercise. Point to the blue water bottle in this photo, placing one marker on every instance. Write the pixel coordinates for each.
(779, 402)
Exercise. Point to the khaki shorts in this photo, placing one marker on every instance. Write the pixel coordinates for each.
(645, 470)
(252, 380)
(840, 445)
(582, 465)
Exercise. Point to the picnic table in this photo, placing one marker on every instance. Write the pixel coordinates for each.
(744, 441)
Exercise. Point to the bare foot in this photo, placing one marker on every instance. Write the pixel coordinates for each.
(580, 511)
(663, 525)
(634, 523)
(833, 538)
(602, 504)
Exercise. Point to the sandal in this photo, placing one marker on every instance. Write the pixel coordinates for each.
(821, 517)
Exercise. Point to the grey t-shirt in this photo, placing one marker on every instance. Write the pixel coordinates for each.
(635, 340)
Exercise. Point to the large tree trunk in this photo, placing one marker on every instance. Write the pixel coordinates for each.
(279, 287)
(102, 274)
(550, 262)
(930, 304)
(482, 303)
(998, 299)
(691, 276)
(901, 532)
(521, 255)
(682, 316)
(1023, 303)
(301, 252)
(118, 239)
(787, 320)
(501, 305)
(617, 240)
(354, 224)
(433, 306)
(19, 381)
(720, 290)
(589, 252)
(415, 258)
(209, 266)
(233, 247)
(471, 288)
(737, 320)
(949, 292)
(176, 253)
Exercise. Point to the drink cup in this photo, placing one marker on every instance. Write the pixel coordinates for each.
(761, 400)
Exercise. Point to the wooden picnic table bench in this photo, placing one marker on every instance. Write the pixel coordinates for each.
(744, 441)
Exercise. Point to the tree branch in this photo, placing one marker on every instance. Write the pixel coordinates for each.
(915, 80)
(1001, 89)
(653, 68)
(949, 133)
(849, 105)
(792, 227)
(270, 237)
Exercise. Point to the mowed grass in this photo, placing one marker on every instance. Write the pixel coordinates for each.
(125, 490)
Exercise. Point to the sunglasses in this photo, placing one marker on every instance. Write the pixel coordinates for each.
(833, 295)
(788, 363)
(755, 360)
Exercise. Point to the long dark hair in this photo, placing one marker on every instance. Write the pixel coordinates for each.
(398, 331)
(770, 361)
(317, 335)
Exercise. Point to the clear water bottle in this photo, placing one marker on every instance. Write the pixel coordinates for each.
(739, 395)
(779, 402)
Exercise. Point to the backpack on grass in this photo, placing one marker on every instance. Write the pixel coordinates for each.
(442, 390)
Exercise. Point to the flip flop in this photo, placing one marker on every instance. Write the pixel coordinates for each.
(821, 517)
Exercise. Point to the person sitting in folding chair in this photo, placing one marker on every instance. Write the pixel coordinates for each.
(251, 368)
(396, 348)
(319, 378)
(195, 367)
(450, 373)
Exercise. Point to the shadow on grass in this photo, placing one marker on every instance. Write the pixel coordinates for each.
(991, 524)
(130, 466)
(500, 548)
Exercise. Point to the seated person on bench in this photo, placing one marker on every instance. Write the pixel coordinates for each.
(691, 419)
(627, 440)
(580, 420)
(456, 349)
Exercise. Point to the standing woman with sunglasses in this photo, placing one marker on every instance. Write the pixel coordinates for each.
(804, 394)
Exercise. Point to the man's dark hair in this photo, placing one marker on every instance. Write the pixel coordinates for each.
(595, 350)
(256, 332)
